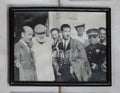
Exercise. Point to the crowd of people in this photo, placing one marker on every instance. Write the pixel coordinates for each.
(60, 57)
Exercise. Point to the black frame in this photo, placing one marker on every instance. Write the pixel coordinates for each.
(67, 9)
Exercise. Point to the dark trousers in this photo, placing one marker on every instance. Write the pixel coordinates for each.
(66, 76)
(98, 76)
(16, 73)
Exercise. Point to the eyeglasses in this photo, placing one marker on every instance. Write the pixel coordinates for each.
(40, 33)
(92, 36)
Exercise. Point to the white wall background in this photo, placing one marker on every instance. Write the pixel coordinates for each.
(115, 6)
(90, 19)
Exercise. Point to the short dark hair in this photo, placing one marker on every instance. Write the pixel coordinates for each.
(54, 29)
(102, 28)
(65, 26)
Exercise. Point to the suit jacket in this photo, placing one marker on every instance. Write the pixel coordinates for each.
(78, 59)
(24, 59)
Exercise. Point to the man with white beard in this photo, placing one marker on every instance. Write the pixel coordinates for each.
(42, 47)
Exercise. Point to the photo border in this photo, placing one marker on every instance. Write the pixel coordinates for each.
(12, 10)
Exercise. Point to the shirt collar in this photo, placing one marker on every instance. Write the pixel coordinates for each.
(24, 43)
(66, 40)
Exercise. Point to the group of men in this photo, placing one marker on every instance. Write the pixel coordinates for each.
(61, 58)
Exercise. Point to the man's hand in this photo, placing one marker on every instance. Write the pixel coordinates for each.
(103, 66)
(94, 66)
(17, 64)
(58, 73)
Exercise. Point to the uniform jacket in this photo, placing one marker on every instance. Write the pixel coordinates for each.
(25, 61)
(96, 54)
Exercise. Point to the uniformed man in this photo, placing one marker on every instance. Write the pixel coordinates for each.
(96, 54)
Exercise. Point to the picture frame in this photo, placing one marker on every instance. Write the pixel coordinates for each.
(55, 17)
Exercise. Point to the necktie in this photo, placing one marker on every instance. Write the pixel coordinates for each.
(30, 51)
(65, 45)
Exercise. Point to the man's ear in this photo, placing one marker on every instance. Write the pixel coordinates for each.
(22, 34)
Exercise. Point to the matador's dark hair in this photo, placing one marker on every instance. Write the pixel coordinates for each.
(65, 26)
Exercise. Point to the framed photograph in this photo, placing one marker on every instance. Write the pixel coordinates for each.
(52, 46)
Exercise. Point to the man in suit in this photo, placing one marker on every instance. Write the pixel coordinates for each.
(96, 54)
(24, 57)
(74, 65)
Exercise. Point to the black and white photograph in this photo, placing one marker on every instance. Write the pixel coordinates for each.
(59, 46)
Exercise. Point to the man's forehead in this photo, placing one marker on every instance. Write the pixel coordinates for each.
(93, 34)
(102, 31)
(66, 28)
(54, 31)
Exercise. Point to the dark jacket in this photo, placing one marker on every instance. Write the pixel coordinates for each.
(78, 59)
